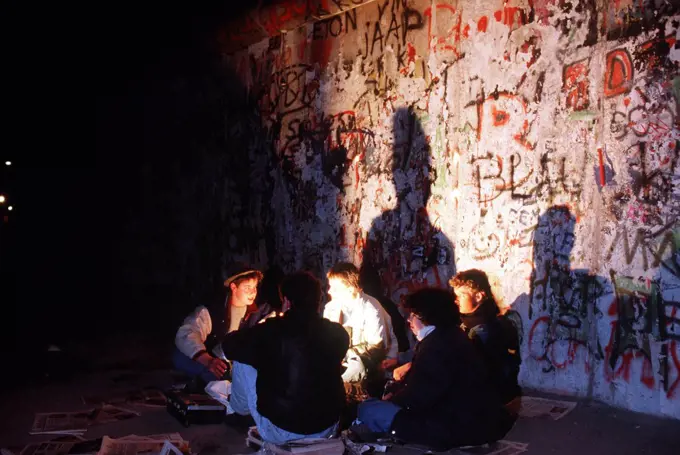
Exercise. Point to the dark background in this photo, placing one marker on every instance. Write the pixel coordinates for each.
(65, 273)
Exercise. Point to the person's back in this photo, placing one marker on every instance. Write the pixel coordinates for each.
(448, 387)
(288, 369)
(498, 343)
(299, 384)
(446, 399)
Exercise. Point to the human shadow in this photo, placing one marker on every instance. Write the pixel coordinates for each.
(562, 301)
(403, 245)
(608, 322)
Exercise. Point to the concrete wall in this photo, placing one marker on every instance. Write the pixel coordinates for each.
(536, 140)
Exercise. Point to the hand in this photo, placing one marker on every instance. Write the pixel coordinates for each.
(401, 371)
(388, 364)
(215, 365)
(273, 314)
(387, 396)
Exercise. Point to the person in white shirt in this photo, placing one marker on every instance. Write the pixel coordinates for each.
(372, 339)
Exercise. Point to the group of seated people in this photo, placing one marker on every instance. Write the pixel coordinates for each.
(454, 385)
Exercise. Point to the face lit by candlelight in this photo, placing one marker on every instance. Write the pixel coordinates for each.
(244, 293)
(340, 291)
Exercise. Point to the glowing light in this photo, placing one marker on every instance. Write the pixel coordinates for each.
(456, 158)
(10, 208)
(8, 163)
(2, 199)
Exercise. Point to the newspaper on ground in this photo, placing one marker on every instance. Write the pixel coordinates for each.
(169, 448)
(133, 444)
(48, 448)
(62, 422)
(76, 422)
(360, 448)
(307, 446)
(545, 408)
(67, 444)
(109, 413)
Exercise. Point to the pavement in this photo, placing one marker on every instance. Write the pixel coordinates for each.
(590, 428)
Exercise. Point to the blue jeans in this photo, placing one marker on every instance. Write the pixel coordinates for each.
(191, 367)
(377, 414)
(243, 400)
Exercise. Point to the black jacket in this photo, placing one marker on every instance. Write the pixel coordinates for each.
(298, 358)
(497, 341)
(447, 398)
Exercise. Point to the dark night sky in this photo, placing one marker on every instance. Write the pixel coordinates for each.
(58, 258)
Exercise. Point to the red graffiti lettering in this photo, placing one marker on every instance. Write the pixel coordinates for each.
(618, 77)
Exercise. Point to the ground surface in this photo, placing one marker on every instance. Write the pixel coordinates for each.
(591, 428)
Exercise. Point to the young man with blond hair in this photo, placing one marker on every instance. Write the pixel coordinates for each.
(494, 336)
(372, 340)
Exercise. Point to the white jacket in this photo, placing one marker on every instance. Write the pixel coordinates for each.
(191, 335)
(371, 326)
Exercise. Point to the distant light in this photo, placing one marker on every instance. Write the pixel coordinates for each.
(8, 163)
(2, 199)
(10, 208)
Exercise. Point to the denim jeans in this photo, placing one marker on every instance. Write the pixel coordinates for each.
(243, 400)
(377, 414)
(191, 367)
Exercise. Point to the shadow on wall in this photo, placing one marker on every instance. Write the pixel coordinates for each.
(562, 300)
(402, 243)
(580, 324)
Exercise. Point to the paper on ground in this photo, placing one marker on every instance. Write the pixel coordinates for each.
(133, 444)
(545, 408)
(61, 422)
(310, 446)
(77, 422)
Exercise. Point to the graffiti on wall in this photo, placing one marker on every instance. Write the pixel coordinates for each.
(424, 137)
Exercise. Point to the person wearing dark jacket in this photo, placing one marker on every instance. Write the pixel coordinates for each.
(287, 371)
(494, 336)
(445, 400)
